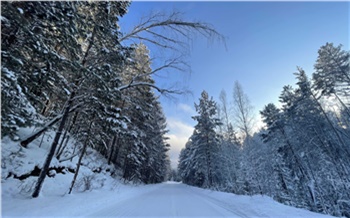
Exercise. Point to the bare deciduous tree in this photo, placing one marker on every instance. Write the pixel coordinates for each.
(242, 110)
(224, 109)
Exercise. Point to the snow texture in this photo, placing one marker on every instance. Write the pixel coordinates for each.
(162, 200)
(98, 194)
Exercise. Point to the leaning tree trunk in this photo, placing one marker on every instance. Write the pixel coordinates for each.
(32, 137)
(66, 139)
(341, 141)
(343, 104)
(80, 159)
(35, 135)
(59, 152)
(53, 148)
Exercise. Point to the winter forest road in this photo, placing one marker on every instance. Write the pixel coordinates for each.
(169, 200)
(158, 200)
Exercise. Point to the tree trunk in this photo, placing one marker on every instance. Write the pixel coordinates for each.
(53, 148)
(115, 141)
(60, 151)
(112, 150)
(116, 152)
(209, 172)
(60, 148)
(343, 104)
(80, 159)
(32, 137)
(126, 164)
(331, 124)
(42, 139)
(46, 105)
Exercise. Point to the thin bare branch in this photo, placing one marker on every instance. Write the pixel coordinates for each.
(153, 42)
(174, 23)
(164, 37)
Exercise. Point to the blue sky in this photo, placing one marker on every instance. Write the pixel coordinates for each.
(265, 41)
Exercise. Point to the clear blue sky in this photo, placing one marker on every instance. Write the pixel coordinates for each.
(265, 42)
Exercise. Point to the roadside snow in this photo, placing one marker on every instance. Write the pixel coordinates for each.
(161, 200)
(97, 193)
(17, 161)
(78, 204)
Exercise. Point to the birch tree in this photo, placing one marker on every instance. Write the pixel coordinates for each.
(242, 110)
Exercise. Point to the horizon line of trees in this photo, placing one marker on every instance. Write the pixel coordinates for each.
(301, 157)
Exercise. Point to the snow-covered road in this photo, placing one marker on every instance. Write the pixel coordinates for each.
(170, 200)
(179, 200)
(160, 200)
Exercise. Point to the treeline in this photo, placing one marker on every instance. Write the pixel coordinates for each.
(68, 66)
(301, 157)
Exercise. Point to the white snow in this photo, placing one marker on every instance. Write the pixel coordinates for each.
(109, 196)
(167, 200)
(104, 49)
(19, 161)
(2, 18)
(66, 91)
(9, 74)
(20, 10)
(19, 61)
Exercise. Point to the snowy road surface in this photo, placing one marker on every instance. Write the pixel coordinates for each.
(161, 200)
(179, 200)
(170, 200)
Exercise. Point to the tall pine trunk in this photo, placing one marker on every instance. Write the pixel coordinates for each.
(53, 148)
(112, 149)
(341, 141)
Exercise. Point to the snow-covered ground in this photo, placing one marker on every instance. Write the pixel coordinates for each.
(107, 195)
(162, 200)
(17, 161)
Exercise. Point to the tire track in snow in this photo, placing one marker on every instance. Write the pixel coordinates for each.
(167, 200)
(217, 202)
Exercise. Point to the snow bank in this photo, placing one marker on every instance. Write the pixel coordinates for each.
(106, 194)
(21, 167)
(255, 206)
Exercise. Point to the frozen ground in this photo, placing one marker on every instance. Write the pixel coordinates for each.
(161, 200)
(107, 195)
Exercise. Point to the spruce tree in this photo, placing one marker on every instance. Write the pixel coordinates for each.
(205, 144)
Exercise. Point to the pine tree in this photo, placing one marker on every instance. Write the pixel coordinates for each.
(302, 137)
(65, 57)
(78, 59)
(331, 74)
(205, 145)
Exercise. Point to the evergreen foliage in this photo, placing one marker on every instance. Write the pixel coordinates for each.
(69, 62)
(204, 146)
(300, 157)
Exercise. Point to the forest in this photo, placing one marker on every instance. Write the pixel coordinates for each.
(301, 155)
(67, 67)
